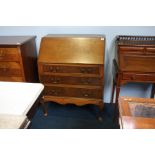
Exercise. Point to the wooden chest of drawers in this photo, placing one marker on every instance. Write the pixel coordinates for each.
(18, 59)
(136, 61)
(72, 68)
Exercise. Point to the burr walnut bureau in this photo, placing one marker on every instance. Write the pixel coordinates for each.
(72, 69)
(18, 59)
(136, 62)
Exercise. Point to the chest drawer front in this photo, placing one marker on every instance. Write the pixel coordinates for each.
(9, 54)
(73, 92)
(10, 69)
(137, 58)
(145, 63)
(49, 68)
(70, 80)
(127, 49)
(12, 79)
(150, 51)
(138, 77)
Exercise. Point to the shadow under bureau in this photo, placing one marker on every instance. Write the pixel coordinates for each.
(72, 69)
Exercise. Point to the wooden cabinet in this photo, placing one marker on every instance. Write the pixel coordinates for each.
(18, 59)
(135, 63)
(72, 68)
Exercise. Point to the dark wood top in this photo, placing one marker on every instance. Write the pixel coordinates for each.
(15, 40)
(136, 40)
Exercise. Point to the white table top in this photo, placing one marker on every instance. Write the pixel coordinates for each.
(12, 121)
(16, 98)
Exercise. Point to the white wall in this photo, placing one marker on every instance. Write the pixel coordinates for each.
(137, 90)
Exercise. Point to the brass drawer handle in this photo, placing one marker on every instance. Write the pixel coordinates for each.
(2, 53)
(55, 92)
(86, 94)
(86, 81)
(89, 70)
(57, 69)
(54, 69)
(51, 69)
(86, 70)
(55, 80)
(82, 70)
(5, 69)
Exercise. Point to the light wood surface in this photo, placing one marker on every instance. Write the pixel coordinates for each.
(128, 122)
(128, 119)
(72, 49)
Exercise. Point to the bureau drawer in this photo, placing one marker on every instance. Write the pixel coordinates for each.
(137, 59)
(150, 51)
(85, 69)
(9, 54)
(143, 63)
(73, 92)
(12, 79)
(132, 50)
(71, 80)
(138, 77)
(10, 69)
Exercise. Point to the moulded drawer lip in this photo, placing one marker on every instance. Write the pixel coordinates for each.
(131, 48)
(72, 75)
(69, 64)
(150, 49)
(73, 86)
